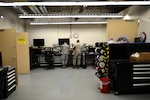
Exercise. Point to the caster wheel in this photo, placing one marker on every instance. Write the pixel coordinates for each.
(116, 92)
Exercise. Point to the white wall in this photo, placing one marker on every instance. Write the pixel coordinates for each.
(146, 16)
(87, 33)
(144, 25)
(11, 20)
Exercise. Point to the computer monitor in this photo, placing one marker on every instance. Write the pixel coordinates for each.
(62, 40)
(38, 42)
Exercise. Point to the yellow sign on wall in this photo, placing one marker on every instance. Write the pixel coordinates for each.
(22, 41)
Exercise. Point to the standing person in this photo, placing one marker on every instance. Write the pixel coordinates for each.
(77, 55)
(64, 54)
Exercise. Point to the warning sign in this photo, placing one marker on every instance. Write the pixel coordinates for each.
(21, 41)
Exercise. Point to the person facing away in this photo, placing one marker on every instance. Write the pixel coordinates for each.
(77, 55)
(64, 54)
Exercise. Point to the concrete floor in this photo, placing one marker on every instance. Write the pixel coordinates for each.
(65, 84)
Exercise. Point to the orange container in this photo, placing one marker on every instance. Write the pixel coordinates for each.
(105, 85)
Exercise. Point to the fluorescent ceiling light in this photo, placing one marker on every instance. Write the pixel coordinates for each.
(48, 23)
(71, 16)
(101, 3)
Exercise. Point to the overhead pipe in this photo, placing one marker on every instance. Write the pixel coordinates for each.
(45, 9)
(20, 10)
(42, 10)
(32, 9)
(36, 9)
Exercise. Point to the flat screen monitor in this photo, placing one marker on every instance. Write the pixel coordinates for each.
(62, 40)
(38, 42)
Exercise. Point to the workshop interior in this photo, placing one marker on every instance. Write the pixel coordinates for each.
(113, 34)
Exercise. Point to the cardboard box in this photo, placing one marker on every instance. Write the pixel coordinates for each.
(143, 57)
